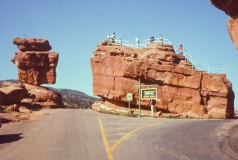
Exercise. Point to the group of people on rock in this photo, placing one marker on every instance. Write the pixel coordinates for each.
(161, 39)
(112, 39)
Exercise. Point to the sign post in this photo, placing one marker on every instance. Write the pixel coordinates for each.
(129, 97)
(148, 93)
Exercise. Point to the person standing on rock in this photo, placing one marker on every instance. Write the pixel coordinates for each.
(108, 38)
(120, 42)
(180, 49)
(161, 39)
(152, 39)
(137, 40)
(153, 109)
(113, 38)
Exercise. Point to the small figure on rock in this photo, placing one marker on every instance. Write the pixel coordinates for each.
(152, 39)
(120, 42)
(113, 38)
(180, 49)
(161, 39)
(137, 41)
(108, 37)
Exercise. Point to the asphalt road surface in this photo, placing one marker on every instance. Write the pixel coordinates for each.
(76, 134)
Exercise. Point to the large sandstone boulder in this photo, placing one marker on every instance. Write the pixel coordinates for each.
(42, 97)
(12, 94)
(230, 7)
(36, 97)
(36, 65)
(181, 88)
(32, 44)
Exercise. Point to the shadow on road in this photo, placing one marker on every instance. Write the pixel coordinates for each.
(10, 138)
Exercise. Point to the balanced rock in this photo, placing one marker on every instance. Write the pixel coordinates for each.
(181, 88)
(230, 7)
(32, 44)
(36, 67)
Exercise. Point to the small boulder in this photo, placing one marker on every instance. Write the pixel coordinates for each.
(13, 108)
(159, 114)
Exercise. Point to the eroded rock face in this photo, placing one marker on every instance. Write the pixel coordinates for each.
(36, 65)
(32, 44)
(36, 97)
(232, 25)
(12, 94)
(181, 88)
(230, 7)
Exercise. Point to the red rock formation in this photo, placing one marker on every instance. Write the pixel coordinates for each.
(36, 97)
(181, 88)
(230, 7)
(32, 44)
(36, 65)
(12, 94)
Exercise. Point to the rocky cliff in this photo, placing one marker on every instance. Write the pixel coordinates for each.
(230, 7)
(181, 88)
(36, 65)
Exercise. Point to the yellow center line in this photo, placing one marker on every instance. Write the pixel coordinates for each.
(111, 150)
(115, 134)
(109, 154)
(130, 133)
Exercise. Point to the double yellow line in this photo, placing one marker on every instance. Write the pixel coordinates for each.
(111, 150)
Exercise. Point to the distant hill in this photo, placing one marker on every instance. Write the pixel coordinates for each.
(70, 98)
(74, 98)
(10, 80)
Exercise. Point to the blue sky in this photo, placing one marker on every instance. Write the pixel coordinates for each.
(75, 27)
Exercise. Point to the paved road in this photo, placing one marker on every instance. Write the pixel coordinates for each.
(87, 135)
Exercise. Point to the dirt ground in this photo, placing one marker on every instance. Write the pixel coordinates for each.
(23, 115)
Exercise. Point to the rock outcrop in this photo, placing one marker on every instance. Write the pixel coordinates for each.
(12, 94)
(230, 7)
(181, 88)
(32, 44)
(36, 65)
(34, 97)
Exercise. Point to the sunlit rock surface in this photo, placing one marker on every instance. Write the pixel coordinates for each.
(36, 65)
(181, 88)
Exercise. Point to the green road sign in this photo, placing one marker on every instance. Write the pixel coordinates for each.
(149, 93)
(129, 96)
